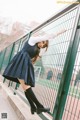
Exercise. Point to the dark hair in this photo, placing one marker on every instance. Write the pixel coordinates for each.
(45, 46)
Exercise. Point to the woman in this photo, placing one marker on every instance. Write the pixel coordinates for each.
(21, 70)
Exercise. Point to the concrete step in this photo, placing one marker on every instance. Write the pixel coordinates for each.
(22, 110)
(6, 110)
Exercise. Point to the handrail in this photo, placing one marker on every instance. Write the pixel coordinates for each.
(56, 15)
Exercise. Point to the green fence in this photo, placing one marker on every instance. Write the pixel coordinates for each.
(57, 73)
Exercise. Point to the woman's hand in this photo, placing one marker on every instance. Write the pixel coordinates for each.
(51, 36)
(35, 59)
(62, 31)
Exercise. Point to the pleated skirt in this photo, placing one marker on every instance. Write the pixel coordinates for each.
(20, 67)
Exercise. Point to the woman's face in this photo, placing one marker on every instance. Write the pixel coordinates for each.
(42, 44)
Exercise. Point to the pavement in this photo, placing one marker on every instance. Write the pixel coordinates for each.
(12, 107)
(6, 111)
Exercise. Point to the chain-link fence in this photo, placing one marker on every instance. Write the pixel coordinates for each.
(57, 77)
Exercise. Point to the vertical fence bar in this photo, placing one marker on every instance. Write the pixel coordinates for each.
(67, 72)
(3, 54)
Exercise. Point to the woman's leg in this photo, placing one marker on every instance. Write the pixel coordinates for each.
(31, 95)
(28, 92)
(25, 87)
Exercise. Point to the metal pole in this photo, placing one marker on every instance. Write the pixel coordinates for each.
(67, 72)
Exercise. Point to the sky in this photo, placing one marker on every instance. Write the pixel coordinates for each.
(26, 11)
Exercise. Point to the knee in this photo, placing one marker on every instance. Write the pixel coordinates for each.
(25, 87)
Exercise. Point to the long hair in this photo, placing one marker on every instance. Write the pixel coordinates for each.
(37, 56)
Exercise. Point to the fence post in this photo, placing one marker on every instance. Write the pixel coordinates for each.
(67, 72)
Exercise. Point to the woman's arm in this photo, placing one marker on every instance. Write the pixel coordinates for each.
(35, 59)
(33, 40)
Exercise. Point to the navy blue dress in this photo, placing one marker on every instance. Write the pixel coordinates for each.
(21, 66)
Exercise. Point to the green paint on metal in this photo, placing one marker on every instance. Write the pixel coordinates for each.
(2, 58)
(67, 73)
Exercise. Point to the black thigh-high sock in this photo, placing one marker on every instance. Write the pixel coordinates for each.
(33, 97)
(30, 101)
